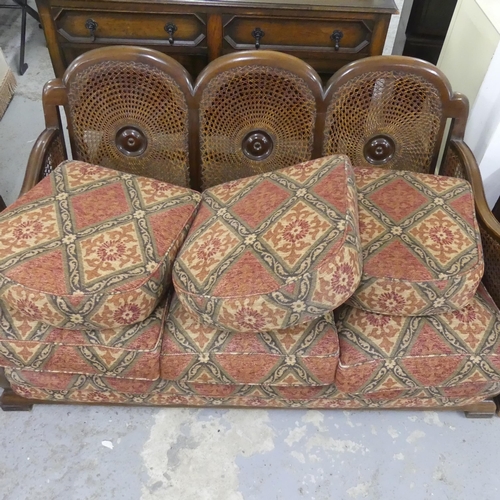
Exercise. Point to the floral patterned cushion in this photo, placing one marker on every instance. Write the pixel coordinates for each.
(452, 351)
(99, 389)
(89, 247)
(421, 245)
(131, 352)
(302, 355)
(273, 250)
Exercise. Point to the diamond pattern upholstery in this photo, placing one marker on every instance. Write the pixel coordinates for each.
(194, 353)
(274, 250)
(452, 353)
(98, 389)
(131, 352)
(92, 248)
(422, 250)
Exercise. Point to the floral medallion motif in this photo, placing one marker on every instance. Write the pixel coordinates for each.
(274, 250)
(87, 241)
(421, 244)
(449, 352)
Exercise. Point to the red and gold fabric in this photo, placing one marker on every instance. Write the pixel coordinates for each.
(98, 389)
(274, 250)
(455, 353)
(422, 250)
(131, 352)
(89, 247)
(302, 355)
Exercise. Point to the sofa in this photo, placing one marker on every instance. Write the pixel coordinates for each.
(253, 239)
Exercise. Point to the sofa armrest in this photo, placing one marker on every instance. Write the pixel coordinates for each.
(460, 162)
(47, 153)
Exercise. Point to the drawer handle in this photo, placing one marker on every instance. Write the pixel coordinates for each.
(336, 37)
(91, 25)
(170, 28)
(257, 33)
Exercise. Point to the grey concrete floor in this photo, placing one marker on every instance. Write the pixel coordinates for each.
(78, 452)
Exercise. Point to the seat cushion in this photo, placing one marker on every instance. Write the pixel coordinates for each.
(89, 247)
(274, 250)
(421, 245)
(130, 352)
(453, 351)
(302, 355)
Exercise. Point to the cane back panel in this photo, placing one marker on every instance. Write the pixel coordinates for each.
(256, 117)
(130, 116)
(385, 118)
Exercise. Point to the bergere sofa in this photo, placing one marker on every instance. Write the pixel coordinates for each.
(252, 239)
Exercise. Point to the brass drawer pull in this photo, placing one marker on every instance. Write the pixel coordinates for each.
(91, 25)
(336, 37)
(257, 33)
(170, 28)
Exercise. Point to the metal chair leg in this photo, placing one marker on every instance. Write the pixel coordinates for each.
(22, 65)
(25, 9)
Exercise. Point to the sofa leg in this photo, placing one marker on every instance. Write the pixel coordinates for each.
(10, 401)
(497, 401)
(4, 383)
(484, 409)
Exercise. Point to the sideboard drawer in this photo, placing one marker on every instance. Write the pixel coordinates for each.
(207, 29)
(107, 27)
(337, 35)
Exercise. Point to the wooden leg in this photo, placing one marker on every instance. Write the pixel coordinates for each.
(497, 401)
(4, 383)
(484, 409)
(9, 401)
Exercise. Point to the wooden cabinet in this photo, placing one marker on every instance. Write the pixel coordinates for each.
(325, 33)
(427, 26)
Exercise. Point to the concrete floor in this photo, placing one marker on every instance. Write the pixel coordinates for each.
(80, 453)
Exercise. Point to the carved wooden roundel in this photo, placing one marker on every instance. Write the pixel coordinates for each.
(131, 141)
(379, 149)
(257, 145)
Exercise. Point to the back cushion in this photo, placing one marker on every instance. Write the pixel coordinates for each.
(421, 245)
(273, 250)
(89, 247)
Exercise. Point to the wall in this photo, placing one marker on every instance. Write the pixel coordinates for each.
(469, 46)
(397, 28)
(471, 60)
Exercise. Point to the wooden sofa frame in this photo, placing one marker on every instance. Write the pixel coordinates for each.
(210, 125)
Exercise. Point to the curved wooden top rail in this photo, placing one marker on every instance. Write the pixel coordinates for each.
(251, 112)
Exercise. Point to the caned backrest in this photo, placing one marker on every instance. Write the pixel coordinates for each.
(257, 113)
(128, 109)
(137, 110)
(391, 112)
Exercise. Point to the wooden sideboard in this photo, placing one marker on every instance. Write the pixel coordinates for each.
(325, 33)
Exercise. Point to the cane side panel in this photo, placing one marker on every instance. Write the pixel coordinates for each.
(47, 153)
(453, 166)
(54, 156)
